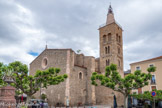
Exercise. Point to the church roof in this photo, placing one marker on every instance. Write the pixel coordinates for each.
(51, 49)
(152, 59)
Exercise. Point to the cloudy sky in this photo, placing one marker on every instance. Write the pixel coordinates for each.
(26, 25)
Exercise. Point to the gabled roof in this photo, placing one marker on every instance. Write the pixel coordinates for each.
(156, 58)
(50, 49)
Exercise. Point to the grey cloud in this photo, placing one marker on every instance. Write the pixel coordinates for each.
(74, 24)
(7, 31)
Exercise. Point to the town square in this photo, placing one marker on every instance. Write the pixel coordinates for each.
(80, 54)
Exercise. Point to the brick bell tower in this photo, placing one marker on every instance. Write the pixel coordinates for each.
(111, 43)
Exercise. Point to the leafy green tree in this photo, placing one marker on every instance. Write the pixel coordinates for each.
(2, 69)
(28, 84)
(147, 95)
(1, 81)
(112, 79)
(43, 96)
(78, 51)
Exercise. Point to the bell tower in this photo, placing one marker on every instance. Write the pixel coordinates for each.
(111, 43)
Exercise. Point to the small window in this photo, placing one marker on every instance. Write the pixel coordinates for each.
(139, 90)
(104, 38)
(108, 49)
(107, 62)
(119, 63)
(118, 50)
(153, 88)
(117, 37)
(109, 37)
(138, 68)
(153, 81)
(151, 65)
(80, 75)
(44, 62)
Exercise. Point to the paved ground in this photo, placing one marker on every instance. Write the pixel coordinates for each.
(96, 106)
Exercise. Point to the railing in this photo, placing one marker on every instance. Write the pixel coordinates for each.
(153, 82)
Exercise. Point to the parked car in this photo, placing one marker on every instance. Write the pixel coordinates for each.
(38, 103)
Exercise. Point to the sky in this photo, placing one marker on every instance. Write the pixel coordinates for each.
(27, 25)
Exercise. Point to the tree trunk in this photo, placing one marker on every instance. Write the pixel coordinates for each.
(28, 99)
(125, 101)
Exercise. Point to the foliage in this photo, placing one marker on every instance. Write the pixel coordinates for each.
(147, 95)
(1, 81)
(112, 79)
(28, 84)
(2, 69)
(78, 51)
(43, 96)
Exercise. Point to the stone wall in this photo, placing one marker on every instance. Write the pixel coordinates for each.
(89, 62)
(56, 58)
(113, 56)
(74, 89)
(104, 96)
(78, 90)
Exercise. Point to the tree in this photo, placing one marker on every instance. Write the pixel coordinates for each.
(112, 79)
(1, 81)
(43, 96)
(2, 69)
(78, 51)
(147, 95)
(25, 83)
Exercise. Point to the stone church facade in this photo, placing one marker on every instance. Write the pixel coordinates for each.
(77, 87)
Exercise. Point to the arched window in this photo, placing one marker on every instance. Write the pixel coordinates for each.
(118, 50)
(108, 49)
(119, 63)
(104, 38)
(80, 75)
(107, 62)
(117, 37)
(109, 37)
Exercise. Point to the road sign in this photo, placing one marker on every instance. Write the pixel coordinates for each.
(153, 93)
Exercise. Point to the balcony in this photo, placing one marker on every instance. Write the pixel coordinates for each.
(153, 82)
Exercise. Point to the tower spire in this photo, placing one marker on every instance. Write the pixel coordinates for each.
(110, 9)
(110, 16)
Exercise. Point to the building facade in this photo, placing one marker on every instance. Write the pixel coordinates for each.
(155, 82)
(77, 88)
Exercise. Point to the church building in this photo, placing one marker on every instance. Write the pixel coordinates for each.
(77, 88)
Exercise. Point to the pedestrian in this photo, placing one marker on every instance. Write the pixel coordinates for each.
(34, 105)
(115, 102)
(42, 104)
